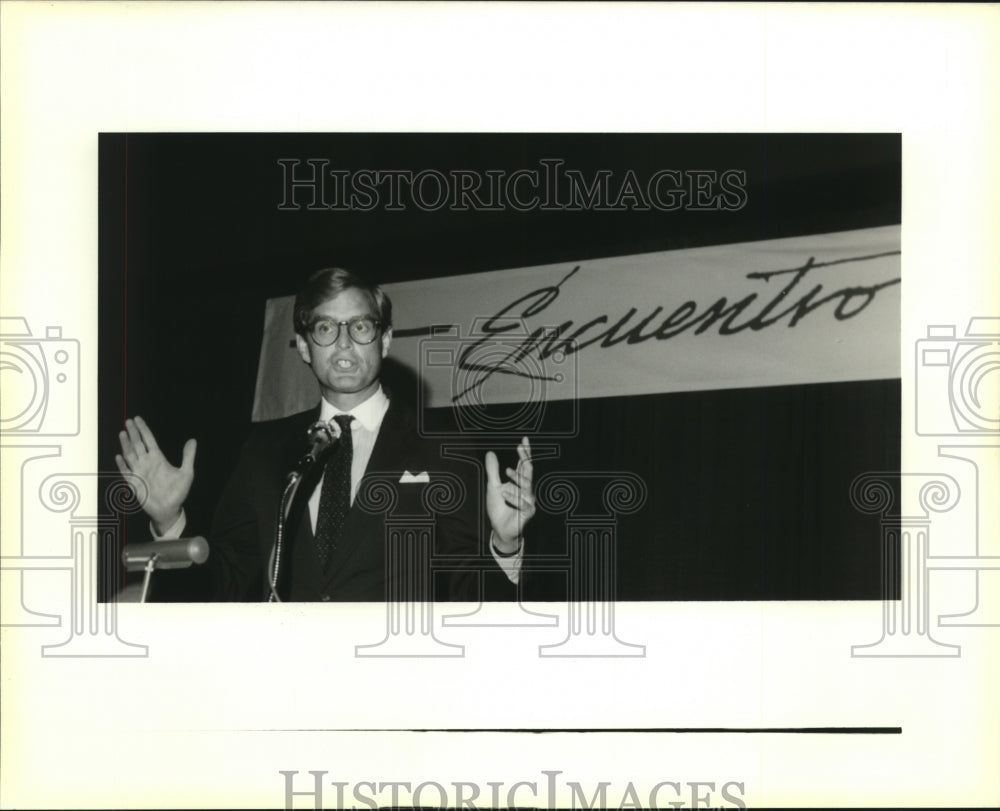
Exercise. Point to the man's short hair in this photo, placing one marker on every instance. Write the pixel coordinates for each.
(328, 283)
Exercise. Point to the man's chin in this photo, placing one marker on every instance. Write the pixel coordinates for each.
(347, 384)
(346, 377)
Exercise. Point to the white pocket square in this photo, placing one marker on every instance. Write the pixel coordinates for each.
(410, 478)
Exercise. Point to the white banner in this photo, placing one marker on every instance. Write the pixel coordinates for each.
(812, 309)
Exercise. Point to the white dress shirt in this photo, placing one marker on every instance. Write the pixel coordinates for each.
(364, 431)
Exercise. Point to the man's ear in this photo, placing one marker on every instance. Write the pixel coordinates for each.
(303, 346)
(386, 341)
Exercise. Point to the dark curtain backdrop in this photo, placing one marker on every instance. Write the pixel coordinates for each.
(748, 488)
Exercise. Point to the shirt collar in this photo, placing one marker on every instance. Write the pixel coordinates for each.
(368, 414)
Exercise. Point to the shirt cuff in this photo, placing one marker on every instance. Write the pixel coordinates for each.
(511, 564)
(174, 531)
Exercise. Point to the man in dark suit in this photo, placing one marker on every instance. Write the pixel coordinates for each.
(335, 535)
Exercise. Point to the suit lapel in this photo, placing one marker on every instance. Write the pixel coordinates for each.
(395, 436)
(394, 439)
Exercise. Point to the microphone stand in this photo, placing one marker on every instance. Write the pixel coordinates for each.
(321, 438)
(274, 564)
(150, 568)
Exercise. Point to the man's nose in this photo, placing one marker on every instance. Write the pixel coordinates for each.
(344, 337)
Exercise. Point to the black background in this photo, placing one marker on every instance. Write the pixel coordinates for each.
(748, 488)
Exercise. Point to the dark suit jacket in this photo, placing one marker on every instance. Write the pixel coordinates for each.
(243, 528)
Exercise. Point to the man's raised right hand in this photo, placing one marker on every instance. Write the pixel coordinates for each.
(167, 486)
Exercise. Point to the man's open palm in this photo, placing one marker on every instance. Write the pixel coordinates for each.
(167, 486)
(511, 504)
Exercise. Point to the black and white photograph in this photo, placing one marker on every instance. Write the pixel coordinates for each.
(553, 405)
(713, 319)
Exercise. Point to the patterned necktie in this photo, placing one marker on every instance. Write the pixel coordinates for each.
(335, 498)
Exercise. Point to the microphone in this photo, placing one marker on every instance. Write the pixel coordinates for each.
(177, 554)
(320, 438)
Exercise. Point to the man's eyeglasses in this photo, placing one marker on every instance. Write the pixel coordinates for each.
(326, 331)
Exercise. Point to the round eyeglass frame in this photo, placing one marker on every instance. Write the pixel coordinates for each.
(363, 319)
